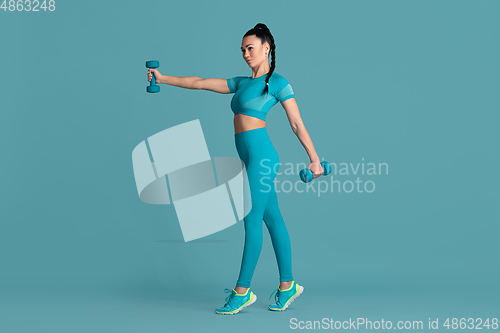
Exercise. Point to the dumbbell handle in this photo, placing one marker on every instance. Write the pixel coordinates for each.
(153, 79)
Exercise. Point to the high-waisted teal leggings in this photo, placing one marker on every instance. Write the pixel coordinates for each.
(262, 163)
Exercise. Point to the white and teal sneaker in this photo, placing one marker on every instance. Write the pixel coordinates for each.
(235, 302)
(285, 297)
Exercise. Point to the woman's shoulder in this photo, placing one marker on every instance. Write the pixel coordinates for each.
(279, 79)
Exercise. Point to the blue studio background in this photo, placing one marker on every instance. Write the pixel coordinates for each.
(413, 84)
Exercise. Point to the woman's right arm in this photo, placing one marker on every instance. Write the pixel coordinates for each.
(191, 82)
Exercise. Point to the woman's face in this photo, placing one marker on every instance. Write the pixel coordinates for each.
(254, 53)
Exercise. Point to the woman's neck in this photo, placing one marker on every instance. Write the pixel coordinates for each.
(260, 71)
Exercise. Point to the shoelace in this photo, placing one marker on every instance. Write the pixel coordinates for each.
(276, 296)
(230, 297)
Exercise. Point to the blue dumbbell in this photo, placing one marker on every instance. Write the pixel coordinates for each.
(306, 175)
(152, 88)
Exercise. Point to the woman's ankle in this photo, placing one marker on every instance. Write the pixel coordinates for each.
(284, 285)
(240, 290)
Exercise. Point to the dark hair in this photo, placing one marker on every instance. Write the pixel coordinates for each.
(262, 31)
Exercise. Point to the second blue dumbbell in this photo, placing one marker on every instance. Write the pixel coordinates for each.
(306, 175)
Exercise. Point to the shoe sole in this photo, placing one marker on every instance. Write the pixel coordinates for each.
(301, 289)
(241, 308)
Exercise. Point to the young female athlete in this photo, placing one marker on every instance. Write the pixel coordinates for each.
(253, 97)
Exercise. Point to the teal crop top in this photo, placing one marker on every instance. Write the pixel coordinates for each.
(249, 98)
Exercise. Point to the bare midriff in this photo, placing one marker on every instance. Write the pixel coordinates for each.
(244, 123)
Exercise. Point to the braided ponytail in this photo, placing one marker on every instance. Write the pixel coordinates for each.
(262, 31)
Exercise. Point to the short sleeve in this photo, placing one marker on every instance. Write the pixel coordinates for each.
(233, 83)
(282, 89)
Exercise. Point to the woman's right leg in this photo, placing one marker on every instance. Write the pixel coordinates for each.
(279, 237)
(253, 148)
(253, 226)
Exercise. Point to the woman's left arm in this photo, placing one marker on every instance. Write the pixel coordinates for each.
(293, 114)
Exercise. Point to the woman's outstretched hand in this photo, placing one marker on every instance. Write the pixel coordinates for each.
(157, 75)
(316, 169)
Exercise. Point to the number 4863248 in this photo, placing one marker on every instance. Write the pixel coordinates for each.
(28, 5)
